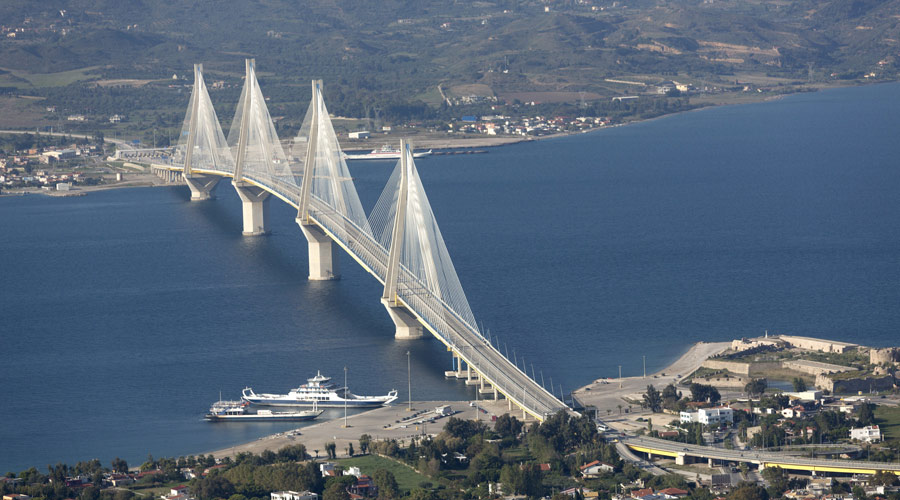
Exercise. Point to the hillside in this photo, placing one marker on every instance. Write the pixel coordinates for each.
(387, 56)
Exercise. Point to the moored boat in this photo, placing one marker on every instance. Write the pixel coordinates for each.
(387, 152)
(237, 410)
(319, 391)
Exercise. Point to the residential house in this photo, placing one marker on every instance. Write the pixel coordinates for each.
(595, 468)
(363, 488)
(708, 416)
(178, 493)
(642, 493)
(294, 495)
(868, 434)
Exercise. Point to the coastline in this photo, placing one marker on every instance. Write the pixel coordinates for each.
(143, 180)
(442, 142)
(604, 394)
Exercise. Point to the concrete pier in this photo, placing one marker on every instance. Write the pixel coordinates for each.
(323, 256)
(201, 186)
(254, 204)
(407, 326)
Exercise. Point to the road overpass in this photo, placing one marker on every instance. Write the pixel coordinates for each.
(683, 453)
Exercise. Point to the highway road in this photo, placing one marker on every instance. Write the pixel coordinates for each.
(672, 448)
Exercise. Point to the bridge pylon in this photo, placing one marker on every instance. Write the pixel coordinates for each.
(407, 326)
(254, 200)
(203, 146)
(323, 253)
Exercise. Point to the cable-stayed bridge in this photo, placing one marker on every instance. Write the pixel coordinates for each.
(399, 243)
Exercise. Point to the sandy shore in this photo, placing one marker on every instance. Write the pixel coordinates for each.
(608, 394)
(380, 423)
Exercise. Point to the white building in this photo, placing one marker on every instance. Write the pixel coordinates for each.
(293, 495)
(56, 156)
(715, 416)
(688, 417)
(868, 434)
(708, 416)
(595, 468)
(327, 469)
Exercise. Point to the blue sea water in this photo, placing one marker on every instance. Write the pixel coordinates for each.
(125, 312)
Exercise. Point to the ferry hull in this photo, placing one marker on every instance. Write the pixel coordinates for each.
(260, 418)
(383, 156)
(320, 404)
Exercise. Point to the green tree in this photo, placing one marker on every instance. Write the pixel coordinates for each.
(866, 414)
(364, 441)
(507, 426)
(701, 494)
(706, 393)
(212, 486)
(90, 493)
(670, 396)
(777, 479)
(336, 490)
(799, 384)
(858, 492)
(421, 494)
(386, 483)
(748, 491)
(652, 399)
(119, 465)
(756, 387)
(330, 449)
(292, 453)
(885, 478)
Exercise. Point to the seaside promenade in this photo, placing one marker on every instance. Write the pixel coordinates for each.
(608, 394)
(389, 422)
(382, 423)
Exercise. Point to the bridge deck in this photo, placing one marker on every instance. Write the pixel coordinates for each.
(459, 337)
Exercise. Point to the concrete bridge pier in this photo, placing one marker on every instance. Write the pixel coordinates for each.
(254, 201)
(201, 186)
(407, 326)
(323, 256)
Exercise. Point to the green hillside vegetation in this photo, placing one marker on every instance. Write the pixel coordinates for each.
(388, 60)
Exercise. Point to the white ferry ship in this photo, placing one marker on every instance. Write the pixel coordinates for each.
(321, 392)
(387, 152)
(237, 410)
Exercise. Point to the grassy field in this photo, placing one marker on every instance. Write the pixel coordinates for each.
(23, 79)
(19, 112)
(888, 419)
(407, 478)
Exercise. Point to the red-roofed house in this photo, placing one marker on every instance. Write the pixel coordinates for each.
(595, 468)
(672, 493)
(642, 493)
(364, 487)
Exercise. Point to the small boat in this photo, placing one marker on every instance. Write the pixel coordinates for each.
(237, 410)
(387, 152)
(321, 392)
